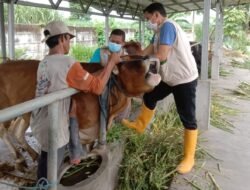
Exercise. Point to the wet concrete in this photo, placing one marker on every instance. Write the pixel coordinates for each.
(230, 167)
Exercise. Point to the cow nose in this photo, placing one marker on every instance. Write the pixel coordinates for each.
(153, 79)
(153, 64)
(153, 68)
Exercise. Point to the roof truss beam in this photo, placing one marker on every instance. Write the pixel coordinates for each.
(55, 5)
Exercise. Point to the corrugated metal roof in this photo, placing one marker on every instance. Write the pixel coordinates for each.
(126, 8)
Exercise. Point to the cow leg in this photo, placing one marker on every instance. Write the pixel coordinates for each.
(103, 101)
(124, 114)
(20, 162)
(19, 128)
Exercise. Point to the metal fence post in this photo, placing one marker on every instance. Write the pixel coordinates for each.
(2, 32)
(52, 154)
(11, 30)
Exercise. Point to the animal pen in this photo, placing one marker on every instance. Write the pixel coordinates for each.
(129, 9)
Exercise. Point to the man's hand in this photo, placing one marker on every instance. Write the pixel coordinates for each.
(114, 58)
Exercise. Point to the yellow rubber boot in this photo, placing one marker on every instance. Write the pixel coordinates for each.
(142, 120)
(190, 141)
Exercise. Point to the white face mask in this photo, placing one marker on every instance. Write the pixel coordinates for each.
(152, 26)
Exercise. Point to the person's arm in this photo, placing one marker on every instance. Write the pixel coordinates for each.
(167, 39)
(149, 50)
(162, 52)
(82, 80)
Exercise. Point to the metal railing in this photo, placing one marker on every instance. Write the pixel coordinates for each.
(52, 100)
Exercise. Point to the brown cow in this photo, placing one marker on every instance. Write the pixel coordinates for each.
(18, 84)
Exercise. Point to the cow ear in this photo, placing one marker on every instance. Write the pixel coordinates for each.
(115, 70)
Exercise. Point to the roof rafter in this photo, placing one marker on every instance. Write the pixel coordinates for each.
(86, 8)
(55, 5)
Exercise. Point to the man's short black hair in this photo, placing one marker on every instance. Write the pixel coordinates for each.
(118, 32)
(54, 40)
(155, 7)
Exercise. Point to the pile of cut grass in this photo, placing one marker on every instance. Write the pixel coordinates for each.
(243, 90)
(225, 73)
(150, 159)
(218, 113)
(245, 65)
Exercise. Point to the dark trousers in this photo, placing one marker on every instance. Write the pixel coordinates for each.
(75, 146)
(184, 96)
(43, 159)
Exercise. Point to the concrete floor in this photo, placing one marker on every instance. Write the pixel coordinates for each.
(231, 168)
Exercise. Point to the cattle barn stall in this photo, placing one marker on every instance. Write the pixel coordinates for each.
(127, 9)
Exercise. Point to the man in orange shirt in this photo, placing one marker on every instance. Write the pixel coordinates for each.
(55, 72)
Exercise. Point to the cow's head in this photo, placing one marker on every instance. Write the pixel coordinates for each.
(133, 48)
(138, 74)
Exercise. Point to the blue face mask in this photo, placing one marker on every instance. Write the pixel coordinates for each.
(114, 47)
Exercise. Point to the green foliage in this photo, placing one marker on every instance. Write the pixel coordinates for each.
(78, 23)
(235, 36)
(150, 159)
(198, 31)
(81, 52)
(78, 16)
(34, 15)
(78, 19)
(234, 26)
(20, 53)
(148, 35)
(180, 18)
(234, 20)
(99, 29)
(114, 23)
(237, 43)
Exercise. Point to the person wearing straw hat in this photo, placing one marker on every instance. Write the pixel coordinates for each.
(179, 76)
(55, 72)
